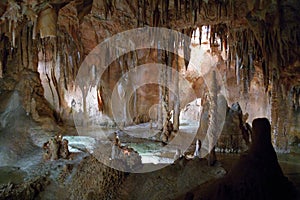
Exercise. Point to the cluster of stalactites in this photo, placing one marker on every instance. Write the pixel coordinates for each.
(241, 50)
(159, 13)
(42, 16)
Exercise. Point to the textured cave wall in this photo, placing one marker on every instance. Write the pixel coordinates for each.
(20, 74)
(259, 37)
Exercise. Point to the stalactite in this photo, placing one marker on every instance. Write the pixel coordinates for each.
(167, 11)
(200, 35)
(56, 86)
(186, 49)
(152, 6)
(225, 46)
(231, 3)
(31, 47)
(185, 9)
(229, 54)
(49, 83)
(195, 16)
(108, 8)
(207, 31)
(176, 8)
(237, 69)
(13, 15)
(32, 52)
(145, 12)
(138, 12)
(59, 79)
(191, 2)
(265, 74)
(66, 69)
(13, 35)
(156, 17)
(34, 29)
(218, 11)
(19, 52)
(24, 52)
(75, 65)
(199, 6)
(64, 62)
(212, 37)
(179, 7)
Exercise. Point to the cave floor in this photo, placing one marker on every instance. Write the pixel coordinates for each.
(31, 165)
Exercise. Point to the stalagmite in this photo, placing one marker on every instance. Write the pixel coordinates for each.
(208, 144)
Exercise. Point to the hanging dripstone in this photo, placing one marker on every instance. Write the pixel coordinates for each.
(176, 8)
(145, 2)
(156, 16)
(187, 43)
(13, 15)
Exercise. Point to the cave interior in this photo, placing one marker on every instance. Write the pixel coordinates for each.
(149, 99)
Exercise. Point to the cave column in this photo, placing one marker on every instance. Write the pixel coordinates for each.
(176, 113)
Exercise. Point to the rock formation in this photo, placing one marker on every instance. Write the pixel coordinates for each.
(253, 45)
(257, 175)
(57, 36)
(56, 148)
(235, 136)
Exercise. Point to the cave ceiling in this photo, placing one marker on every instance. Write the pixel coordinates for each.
(267, 29)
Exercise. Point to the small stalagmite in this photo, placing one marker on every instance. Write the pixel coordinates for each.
(56, 148)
